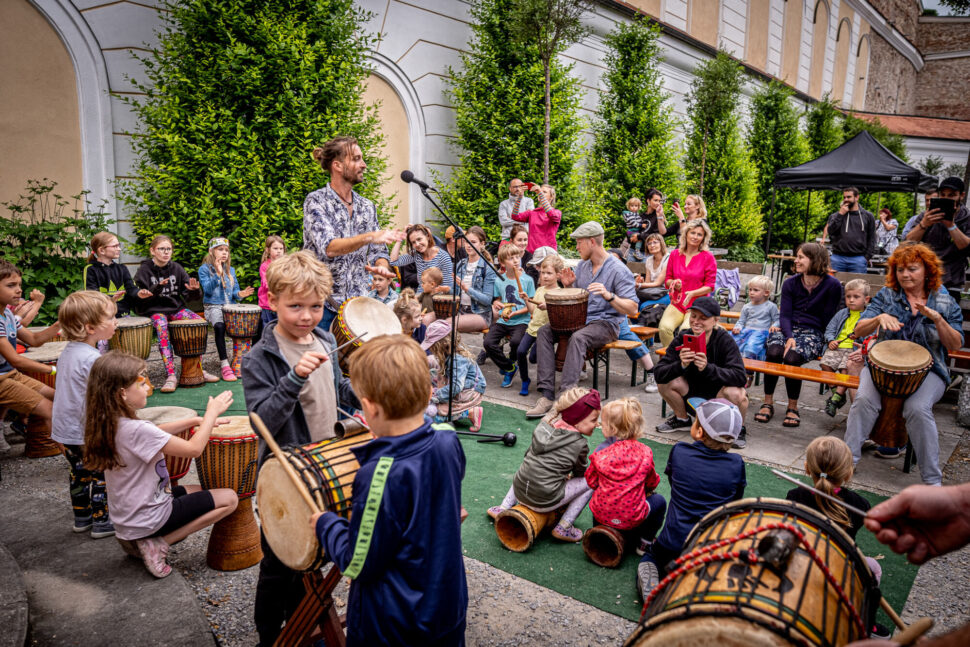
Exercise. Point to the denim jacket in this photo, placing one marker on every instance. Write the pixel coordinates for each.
(480, 293)
(925, 334)
(835, 324)
(212, 291)
(467, 376)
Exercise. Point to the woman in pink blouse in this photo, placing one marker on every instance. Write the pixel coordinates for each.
(544, 221)
(691, 272)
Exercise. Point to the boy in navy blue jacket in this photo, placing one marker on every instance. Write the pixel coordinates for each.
(402, 546)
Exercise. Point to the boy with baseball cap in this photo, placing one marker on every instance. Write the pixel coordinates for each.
(703, 476)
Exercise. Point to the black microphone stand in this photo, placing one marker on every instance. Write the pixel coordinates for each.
(455, 290)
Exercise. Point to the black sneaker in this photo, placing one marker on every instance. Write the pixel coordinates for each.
(482, 358)
(879, 631)
(673, 423)
(742, 440)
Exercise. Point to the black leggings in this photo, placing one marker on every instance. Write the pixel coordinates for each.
(220, 329)
(791, 358)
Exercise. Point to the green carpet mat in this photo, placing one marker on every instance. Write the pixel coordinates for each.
(556, 565)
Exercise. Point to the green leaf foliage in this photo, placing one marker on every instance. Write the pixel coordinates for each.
(46, 236)
(718, 165)
(498, 96)
(239, 94)
(633, 148)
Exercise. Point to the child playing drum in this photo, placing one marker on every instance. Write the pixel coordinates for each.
(104, 274)
(220, 287)
(405, 563)
(148, 514)
(169, 285)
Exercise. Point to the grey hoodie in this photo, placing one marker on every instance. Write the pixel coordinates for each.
(554, 456)
(853, 234)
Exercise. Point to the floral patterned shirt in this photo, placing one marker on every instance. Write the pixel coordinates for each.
(325, 218)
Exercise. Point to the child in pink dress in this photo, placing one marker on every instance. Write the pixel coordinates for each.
(275, 248)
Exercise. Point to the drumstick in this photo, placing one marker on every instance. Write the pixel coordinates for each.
(347, 343)
(892, 614)
(912, 633)
(850, 508)
(278, 453)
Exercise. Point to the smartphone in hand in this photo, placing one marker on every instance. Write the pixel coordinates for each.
(947, 205)
(696, 343)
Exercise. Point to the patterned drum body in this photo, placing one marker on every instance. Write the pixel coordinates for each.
(177, 466)
(189, 338)
(327, 469)
(133, 335)
(229, 461)
(567, 309)
(897, 368)
(728, 589)
(362, 316)
(445, 305)
(242, 324)
(46, 354)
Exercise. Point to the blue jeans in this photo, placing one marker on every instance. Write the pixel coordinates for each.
(855, 264)
(627, 335)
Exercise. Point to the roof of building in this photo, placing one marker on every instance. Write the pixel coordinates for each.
(912, 126)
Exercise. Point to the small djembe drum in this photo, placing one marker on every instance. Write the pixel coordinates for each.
(133, 335)
(567, 314)
(48, 354)
(897, 368)
(445, 305)
(519, 527)
(762, 572)
(327, 470)
(189, 338)
(38, 443)
(229, 461)
(242, 324)
(605, 546)
(362, 316)
(177, 466)
(39, 329)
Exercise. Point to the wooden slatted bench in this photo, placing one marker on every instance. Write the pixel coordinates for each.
(601, 356)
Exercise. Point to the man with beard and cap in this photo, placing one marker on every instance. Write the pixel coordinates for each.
(947, 235)
(852, 231)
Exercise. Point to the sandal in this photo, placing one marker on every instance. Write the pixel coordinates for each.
(765, 413)
(792, 419)
(567, 533)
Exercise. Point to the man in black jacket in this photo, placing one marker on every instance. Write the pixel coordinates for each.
(716, 373)
(852, 231)
(950, 239)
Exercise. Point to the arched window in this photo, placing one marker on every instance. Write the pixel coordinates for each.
(820, 29)
(791, 41)
(843, 41)
(861, 73)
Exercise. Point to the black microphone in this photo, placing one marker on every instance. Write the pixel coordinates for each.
(408, 176)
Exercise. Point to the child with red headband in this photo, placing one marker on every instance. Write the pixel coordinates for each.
(551, 474)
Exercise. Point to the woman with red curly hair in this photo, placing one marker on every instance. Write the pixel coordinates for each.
(913, 306)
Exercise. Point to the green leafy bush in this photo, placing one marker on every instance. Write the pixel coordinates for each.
(239, 94)
(47, 239)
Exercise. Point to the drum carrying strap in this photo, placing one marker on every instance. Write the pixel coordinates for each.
(366, 531)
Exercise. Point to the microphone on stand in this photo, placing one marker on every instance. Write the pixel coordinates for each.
(408, 177)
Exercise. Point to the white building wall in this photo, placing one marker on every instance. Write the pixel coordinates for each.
(828, 72)
(733, 19)
(776, 26)
(805, 51)
(675, 13)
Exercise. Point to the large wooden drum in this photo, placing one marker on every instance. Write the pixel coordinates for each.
(177, 466)
(229, 461)
(242, 323)
(897, 368)
(762, 573)
(327, 469)
(134, 336)
(189, 338)
(362, 316)
(567, 313)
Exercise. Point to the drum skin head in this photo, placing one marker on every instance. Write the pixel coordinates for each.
(900, 355)
(161, 415)
(241, 307)
(370, 317)
(285, 517)
(198, 323)
(565, 293)
(47, 353)
(134, 322)
(237, 427)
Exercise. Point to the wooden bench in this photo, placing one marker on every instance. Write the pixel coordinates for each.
(601, 356)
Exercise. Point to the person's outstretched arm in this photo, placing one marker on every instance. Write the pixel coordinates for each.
(923, 521)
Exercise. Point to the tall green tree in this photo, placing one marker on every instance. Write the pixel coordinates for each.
(498, 96)
(550, 26)
(900, 204)
(776, 142)
(633, 147)
(718, 165)
(239, 94)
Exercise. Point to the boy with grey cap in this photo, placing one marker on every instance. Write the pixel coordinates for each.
(703, 475)
(612, 296)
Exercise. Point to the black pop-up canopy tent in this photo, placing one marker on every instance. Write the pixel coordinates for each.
(861, 162)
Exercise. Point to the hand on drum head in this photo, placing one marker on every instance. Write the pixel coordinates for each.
(309, 362)
(380, 270)
(923, 521)
(218, 405)
(222, 421)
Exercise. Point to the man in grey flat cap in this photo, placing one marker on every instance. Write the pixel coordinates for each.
(612, 296)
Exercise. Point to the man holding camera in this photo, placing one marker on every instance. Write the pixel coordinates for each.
(852, 231)
(945, 227)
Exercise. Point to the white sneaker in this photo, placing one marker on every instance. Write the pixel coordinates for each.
(4, 445)
(650, 384)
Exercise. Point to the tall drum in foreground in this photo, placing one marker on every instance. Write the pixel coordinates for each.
(897, 368)
(362, 316)
(762, 573)
(242, 324)
(229, 461)
(567, 313)
(189, 338)
(327, 469)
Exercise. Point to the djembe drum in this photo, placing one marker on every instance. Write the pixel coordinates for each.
(605, 546)
(519, 527)
(327, 470)
(897, 368)
(445, 305)
(38, 443)
(46, 354)
(133, 335)
(242, 323)
(177, 466)
(39, 329)
(567, 313)
(362, 315)
(189, 338)
(762, 573)
(229, 461)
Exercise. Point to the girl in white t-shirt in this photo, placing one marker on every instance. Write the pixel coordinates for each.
(148, 514)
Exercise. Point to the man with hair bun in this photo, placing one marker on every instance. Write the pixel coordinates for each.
(340, 226)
